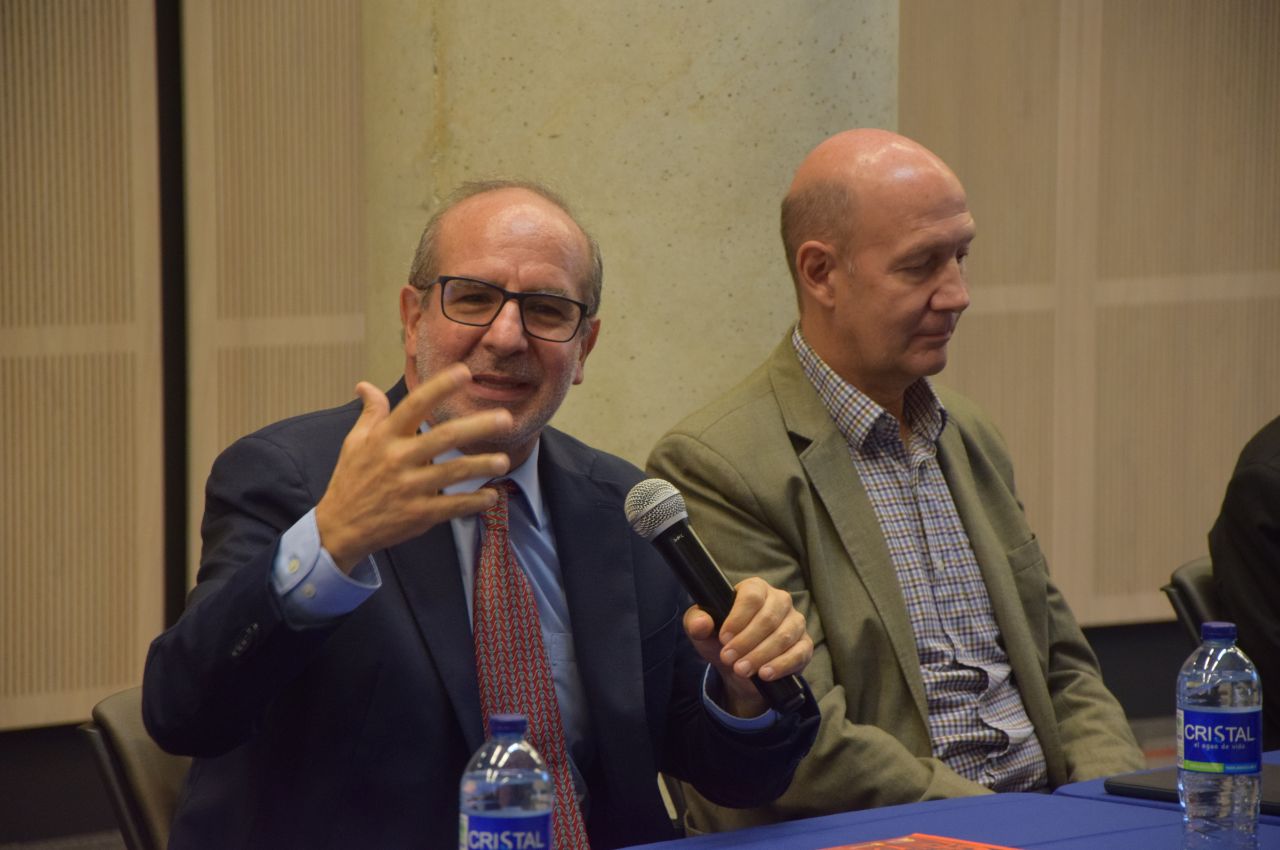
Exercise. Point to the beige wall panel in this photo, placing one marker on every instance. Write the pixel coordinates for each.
(979, 86)
(80, 494)
(65, 125)
(1190, 130)
(1138, 139)
(70, 488)
(318, 376)
(1005, 363)
(286, 157)
(1181, 403)
(673, 128)
(275, 216)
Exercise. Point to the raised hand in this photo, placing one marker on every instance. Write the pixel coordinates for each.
(385, 488)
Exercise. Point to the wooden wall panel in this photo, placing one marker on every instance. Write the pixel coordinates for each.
(1009, 365)
(315, 374)
(287, 157)
(81, 577)
(1189, 373)
(71, 476)
(64, 218)
(1189, 132)
(993, 68)
(1130, 151)
(275, 216)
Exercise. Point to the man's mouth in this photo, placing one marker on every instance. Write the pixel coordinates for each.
(938, 331)
(499, 387)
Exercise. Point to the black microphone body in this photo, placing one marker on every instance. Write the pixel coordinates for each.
(702, 578)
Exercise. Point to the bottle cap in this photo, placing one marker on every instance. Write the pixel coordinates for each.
(515, 724)
(1217, 630)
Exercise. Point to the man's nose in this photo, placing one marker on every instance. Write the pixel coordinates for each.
(953, 295)
(506, 333)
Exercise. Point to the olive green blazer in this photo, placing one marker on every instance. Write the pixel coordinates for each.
(772, 492)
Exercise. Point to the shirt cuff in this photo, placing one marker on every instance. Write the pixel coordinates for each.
(311, 589)
(713, 688)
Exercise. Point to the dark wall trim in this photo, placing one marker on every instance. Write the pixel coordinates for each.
(173, 300)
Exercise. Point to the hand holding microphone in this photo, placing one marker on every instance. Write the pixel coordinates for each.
(657, 512)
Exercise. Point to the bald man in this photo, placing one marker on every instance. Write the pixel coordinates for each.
(364, 605)
(946, 661)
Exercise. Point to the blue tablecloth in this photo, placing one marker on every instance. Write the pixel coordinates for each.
(1093, 790)
(1026, 821)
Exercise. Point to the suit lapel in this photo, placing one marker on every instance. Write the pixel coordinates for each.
(427, 571)
(829, 468)
(593, 543)
(975, 502)
(426, 568)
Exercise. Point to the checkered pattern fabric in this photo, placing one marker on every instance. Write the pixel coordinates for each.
(978, 724)
(512, 665)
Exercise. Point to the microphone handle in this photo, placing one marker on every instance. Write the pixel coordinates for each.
(707, 585)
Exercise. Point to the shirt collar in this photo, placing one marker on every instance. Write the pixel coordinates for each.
(525, 477)
(856, 416)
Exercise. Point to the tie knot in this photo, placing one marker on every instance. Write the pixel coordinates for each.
(496, 516)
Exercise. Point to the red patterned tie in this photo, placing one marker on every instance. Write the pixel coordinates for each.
(512, 664)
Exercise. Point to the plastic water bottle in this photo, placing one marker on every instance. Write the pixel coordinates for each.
(1219, 743)
(506, 792)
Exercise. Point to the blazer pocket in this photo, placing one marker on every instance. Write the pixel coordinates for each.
(1025, 556)
(1030, 576)
(659, 645)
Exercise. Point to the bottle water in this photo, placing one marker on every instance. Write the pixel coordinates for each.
(506, 792)
(1219, 743)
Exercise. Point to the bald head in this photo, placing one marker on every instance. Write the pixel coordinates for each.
(877, 231)
(847, 173)
(426, 260)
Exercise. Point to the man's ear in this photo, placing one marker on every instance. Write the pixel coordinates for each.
(410, 318)
(815, 263)
(588, 343)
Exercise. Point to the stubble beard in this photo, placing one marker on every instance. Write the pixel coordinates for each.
(526, 426)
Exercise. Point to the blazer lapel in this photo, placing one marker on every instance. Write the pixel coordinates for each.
(593, 543)
(824, 454)
(427, 571)
(426, 568)
(993, 560)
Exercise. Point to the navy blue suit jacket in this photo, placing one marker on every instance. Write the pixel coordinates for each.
(356, 734)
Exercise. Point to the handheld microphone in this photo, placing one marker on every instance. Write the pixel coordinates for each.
(657, 512)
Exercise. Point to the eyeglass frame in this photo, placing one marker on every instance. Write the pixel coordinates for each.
(508, 295)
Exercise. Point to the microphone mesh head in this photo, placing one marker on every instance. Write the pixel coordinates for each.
(652, 505)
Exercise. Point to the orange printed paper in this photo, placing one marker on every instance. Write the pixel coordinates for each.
(920, 841)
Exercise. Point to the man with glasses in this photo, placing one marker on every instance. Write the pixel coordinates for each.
(379, 578)
(946, 662)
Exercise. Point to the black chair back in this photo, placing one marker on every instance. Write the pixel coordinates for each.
(142, 780)
(1193, 596)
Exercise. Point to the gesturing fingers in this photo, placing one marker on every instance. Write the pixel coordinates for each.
(425, 397)
(374, 411)
(386, 485)
(473, 428)
(435, 477)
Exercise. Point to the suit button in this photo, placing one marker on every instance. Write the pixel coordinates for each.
(245, 641)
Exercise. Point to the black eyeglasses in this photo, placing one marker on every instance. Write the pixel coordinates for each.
(477, 303)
